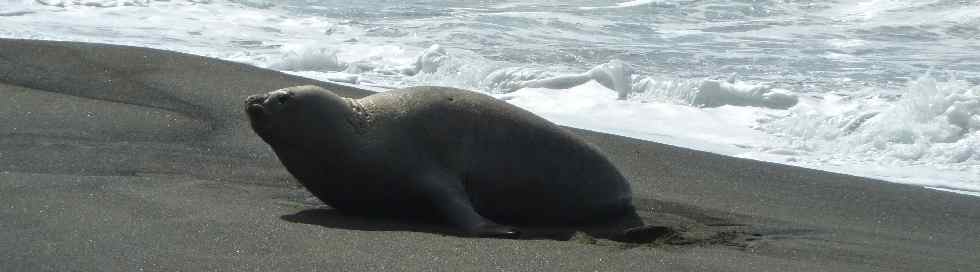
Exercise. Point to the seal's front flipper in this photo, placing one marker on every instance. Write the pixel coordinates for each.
(450, 200)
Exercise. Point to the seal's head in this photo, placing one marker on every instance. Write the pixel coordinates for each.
(298, 116)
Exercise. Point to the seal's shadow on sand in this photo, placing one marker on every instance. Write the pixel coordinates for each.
(664, 223)
(332, 218)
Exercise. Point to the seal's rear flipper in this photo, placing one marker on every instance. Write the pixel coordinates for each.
(449, 198)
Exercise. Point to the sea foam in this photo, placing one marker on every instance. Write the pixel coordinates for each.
(933, 125)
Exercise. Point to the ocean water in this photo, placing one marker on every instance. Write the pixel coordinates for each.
(883, 89)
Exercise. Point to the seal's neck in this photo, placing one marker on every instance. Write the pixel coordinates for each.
(361, 118)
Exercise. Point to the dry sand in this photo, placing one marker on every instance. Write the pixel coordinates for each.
(119, 158)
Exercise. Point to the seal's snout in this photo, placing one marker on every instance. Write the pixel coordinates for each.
(253, 104)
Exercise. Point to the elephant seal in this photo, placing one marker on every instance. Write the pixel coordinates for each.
(463, 158)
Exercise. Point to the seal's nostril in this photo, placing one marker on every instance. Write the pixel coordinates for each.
(255, 99)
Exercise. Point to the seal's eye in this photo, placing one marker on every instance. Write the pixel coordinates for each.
(283, 97)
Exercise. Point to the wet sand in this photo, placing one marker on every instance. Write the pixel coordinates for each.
(120, 158)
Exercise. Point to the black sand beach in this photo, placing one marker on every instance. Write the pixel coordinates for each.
(118, 158)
